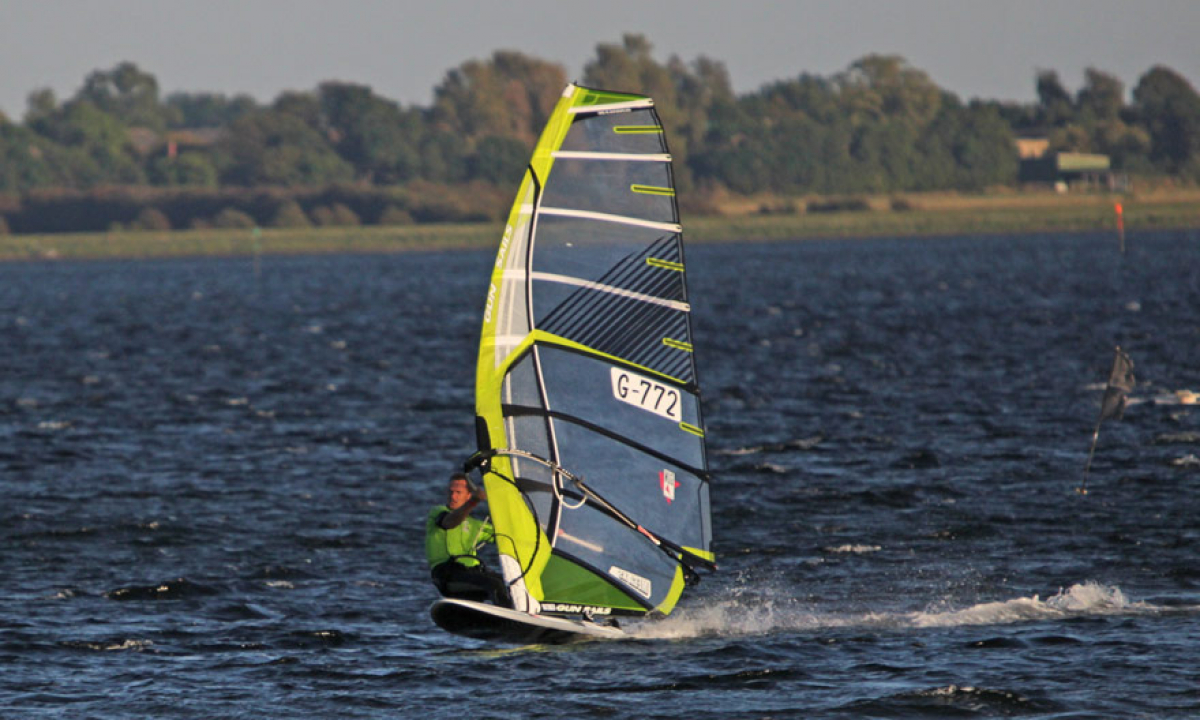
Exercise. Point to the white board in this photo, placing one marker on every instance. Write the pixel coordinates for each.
(489, 622)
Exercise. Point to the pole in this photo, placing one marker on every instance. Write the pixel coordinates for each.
(257, 235)
(1082, 489)
(1120, 225)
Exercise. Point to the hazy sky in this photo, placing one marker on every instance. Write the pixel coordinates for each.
(402, 49)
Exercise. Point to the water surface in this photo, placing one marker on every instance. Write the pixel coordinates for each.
(212, 488)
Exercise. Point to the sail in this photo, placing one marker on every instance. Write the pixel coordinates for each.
(1120, 384)
(586, 393)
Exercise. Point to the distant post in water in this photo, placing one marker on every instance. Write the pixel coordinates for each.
(257, 235)
(1120, 384)
(1120, 224)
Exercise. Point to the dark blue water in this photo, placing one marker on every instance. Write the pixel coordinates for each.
(212, 488)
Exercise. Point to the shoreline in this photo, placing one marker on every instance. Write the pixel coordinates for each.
(920, 216)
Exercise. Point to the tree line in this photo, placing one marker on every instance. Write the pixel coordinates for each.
(118, 154)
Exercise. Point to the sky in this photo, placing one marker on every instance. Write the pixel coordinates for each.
(402, 49)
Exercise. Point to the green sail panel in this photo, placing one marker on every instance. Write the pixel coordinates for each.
(586, 385)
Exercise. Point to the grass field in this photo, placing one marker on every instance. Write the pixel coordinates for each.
(924, 214)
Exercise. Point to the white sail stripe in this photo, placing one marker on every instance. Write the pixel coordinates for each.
(509, 340)
(631, 105)
(605, 217)
(581, 542)
(634, 157)
(591, 285)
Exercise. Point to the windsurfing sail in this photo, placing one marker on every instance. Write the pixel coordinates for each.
(588, 408)
(1120, 384)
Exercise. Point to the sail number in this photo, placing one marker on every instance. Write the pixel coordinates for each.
(647, 394)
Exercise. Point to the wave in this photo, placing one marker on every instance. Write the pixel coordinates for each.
(950, 701)
(166, 590)
(778, 447)
(1088, 598)
(853, 549)
(131, 644)
(738, 617)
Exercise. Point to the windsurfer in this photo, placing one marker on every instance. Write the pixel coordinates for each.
(451, 539)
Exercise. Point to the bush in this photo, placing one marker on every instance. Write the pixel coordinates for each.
(393, 215)
(847, 204)
(336, 215)
(290, 215)
(778, 207)
(150, 219)
(231, 218)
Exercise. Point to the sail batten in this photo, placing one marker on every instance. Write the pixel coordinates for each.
(611, 218)
(630, 157)
(531, 411)
(598, 287)
(611, 107)
(586, 386)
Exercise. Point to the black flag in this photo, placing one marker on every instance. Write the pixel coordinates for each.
(1120, 384)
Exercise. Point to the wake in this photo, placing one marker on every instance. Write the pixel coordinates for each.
(738, 617)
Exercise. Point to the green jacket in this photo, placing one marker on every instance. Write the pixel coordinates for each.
(457, 543)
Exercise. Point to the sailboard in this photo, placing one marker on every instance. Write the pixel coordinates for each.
(588, 419)
(490, 622)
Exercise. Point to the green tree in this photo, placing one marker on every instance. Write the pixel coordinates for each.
(879, 86)
(303, 106)
(96, 146)
(25, 159)
(1054, 102)
(982, 146)
(202, 110)
(279, 146)
(806, 96)
(128, 94)
(191, 169)
(1169, 108)
(1100, 123)
(703, 89)
(499, 160)
(631, 67)
(444, 159)
(1127, 145)
(884, 154)
(41, 104)
(371, 133)
(508, 95)
(1102, 96)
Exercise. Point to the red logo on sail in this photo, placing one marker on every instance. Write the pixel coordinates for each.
(666, 480)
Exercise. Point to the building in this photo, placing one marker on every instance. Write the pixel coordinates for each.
(1065, 169)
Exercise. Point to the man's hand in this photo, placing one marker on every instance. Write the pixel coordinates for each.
(478, 494)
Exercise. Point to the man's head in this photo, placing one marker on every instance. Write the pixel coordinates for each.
(459, 491)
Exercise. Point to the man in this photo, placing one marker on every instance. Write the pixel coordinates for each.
(451, 536)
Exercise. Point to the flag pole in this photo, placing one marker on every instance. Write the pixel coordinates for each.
(1120, 224)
